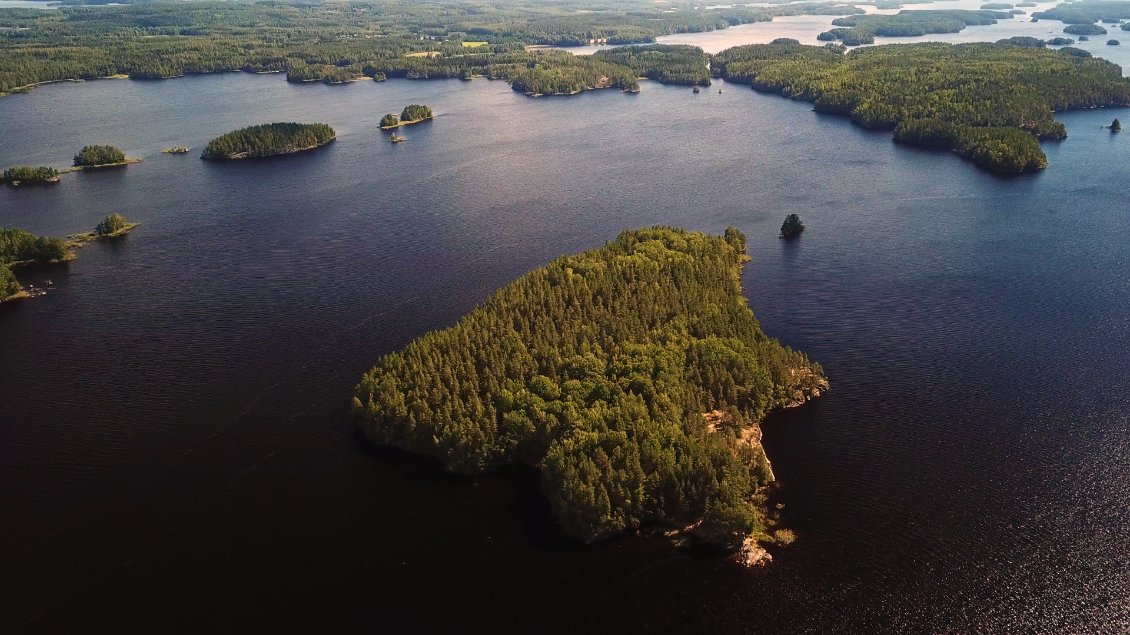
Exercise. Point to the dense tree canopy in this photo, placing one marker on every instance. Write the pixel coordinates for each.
(598, 368)
(269, 140)
(1084, 29)
(987, 102)
(28, 174)
(415, 112)
(9, 286)
(670, 64)
(560, 73)
(91, 156)
(862, 29)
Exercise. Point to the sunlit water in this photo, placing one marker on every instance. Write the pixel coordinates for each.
(175, 447)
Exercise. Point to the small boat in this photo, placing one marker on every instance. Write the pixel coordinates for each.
(719, 91)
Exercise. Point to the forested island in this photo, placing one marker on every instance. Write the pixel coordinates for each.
(1084, 29)
(412, 113)
(990, 103)
(633, 376)
(99, 156)
(666, 63)
(268, 140)
(26, 175)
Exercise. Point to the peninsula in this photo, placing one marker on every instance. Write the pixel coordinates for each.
(634, 376)
(21, 248)
(990, 103)
(268, 140)
(18, 247)
(862, 29)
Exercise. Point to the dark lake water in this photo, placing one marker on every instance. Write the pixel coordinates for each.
(176, 453)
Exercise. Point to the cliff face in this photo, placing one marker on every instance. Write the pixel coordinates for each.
(597, 369)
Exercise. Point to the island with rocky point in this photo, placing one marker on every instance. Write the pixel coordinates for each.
(633, 376)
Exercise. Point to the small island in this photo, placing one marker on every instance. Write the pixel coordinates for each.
(855, 30)
(395, 138)
(792, 226)
(268, 140)
(632, 425)
(1115, 126)
(1113, 42)
(27, 175)
(412, 113)
(112, 226)
(176, 150)
(101, 156)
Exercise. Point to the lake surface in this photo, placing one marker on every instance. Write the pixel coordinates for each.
(175, 446)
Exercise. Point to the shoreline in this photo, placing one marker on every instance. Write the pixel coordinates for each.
(80, 168)
(19, 295)
(73, 242)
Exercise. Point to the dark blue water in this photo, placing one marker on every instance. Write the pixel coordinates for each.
(176, 453)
